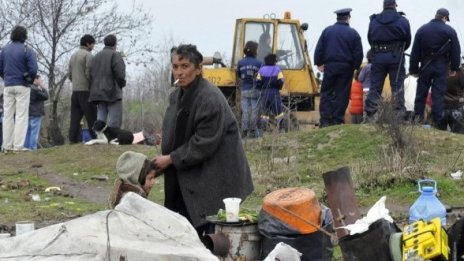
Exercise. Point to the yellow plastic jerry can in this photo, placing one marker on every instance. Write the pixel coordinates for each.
(427, 240)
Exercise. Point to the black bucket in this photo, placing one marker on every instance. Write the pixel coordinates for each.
(315, 246)
(372, 244)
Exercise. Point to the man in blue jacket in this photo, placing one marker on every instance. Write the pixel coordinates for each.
(435, 45)
(389, 35)
(338, 53)
(18, 68)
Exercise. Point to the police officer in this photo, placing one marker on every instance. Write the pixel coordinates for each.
(389, 35)
(338, 53)
(435, 45)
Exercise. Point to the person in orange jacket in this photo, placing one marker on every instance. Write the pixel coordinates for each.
(356, 100)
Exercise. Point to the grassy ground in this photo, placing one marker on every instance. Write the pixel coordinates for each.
(295, 159)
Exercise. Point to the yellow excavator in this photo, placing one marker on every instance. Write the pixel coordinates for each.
(301, 88)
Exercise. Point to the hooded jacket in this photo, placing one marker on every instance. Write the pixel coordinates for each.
(388, 27)
(131, 167)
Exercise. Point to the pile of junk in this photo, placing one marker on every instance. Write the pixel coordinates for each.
(293, 225)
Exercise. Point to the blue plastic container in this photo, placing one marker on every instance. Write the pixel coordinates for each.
(427, 206)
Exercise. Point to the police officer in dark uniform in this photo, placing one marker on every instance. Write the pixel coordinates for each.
(338, 53)
(435, 45)
(389, 35)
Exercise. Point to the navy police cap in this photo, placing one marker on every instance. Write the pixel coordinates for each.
(343, 12)
(443, 12)
(389, 2)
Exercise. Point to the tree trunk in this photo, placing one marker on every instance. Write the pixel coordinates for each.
(54, 132)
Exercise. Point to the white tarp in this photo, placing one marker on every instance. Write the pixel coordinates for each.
(137, 229)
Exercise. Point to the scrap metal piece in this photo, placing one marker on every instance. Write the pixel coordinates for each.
(341, 198)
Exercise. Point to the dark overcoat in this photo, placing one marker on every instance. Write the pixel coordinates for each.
(201, 134)
(108, 76)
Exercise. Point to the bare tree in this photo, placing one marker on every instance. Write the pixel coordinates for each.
(13, 12)
(151, 90)
(55, 27)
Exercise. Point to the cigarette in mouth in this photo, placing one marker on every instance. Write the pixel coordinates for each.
(176, 81)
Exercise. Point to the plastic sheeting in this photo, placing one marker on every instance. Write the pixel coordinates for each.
(376, 212)
(137, 229)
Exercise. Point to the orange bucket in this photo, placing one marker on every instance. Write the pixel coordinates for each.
(294, 206)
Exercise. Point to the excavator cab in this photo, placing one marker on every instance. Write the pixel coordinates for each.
(283, 37)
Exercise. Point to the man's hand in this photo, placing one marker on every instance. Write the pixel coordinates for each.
(452, 73)
(320, 68)
(162, 162)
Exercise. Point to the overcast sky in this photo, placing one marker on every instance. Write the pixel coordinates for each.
(210, 23)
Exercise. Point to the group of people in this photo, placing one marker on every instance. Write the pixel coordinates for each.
(97, 84)
(259, 89)
(435, 55)
(202, 159)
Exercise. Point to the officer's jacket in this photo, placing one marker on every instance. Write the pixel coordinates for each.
(339, 43)
(389, 27)
(428, 41)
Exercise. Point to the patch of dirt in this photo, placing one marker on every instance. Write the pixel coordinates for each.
(94, 190)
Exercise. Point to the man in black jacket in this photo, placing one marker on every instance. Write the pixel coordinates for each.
(108, 77)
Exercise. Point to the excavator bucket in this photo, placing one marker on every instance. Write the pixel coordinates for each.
(341, 197)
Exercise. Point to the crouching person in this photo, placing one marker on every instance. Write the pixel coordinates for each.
(135, 174)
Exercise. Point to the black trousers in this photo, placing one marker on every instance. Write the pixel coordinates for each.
(81, 107)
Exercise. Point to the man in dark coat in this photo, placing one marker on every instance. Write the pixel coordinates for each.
(338, 53)
(389, 35)
(108, 77)
(202, 154)
(435, 45)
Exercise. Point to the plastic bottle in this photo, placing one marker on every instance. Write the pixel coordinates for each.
(427, 206)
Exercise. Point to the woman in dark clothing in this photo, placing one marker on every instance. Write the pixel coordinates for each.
(202, 154)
